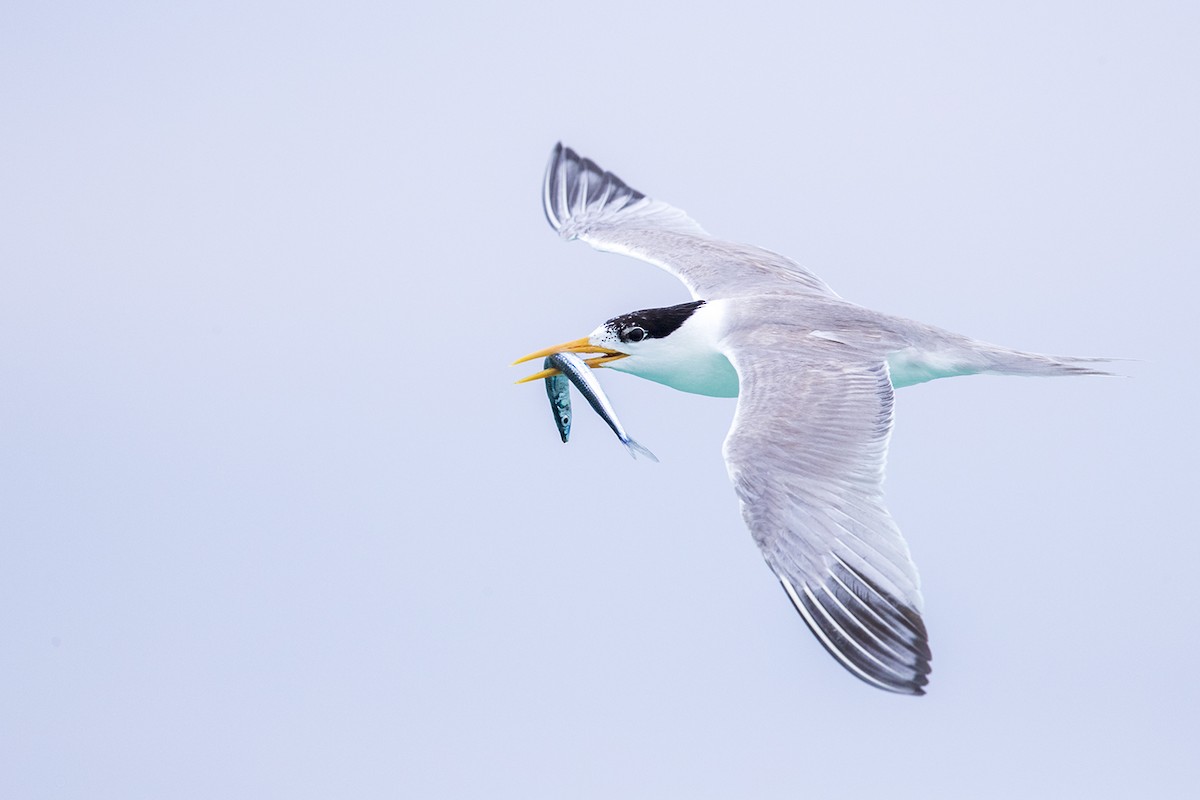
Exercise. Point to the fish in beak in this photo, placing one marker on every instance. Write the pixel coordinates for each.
(583, 345)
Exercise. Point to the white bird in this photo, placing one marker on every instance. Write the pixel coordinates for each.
(814, 376)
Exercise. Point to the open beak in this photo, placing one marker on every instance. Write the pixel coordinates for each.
(577, 346)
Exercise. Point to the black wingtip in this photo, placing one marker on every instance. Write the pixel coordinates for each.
(880, 641)
(575, 186)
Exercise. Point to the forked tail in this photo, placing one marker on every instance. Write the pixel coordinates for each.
(1002, 361)
(941, 354)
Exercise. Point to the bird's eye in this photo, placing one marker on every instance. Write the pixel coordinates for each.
(635, 334)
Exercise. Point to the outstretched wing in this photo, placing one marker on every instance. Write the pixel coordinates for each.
(582, 201)
(806, 455)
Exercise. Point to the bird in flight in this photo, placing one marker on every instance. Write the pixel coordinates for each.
(814, 376)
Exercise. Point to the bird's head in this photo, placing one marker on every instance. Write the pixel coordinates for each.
(628, 343)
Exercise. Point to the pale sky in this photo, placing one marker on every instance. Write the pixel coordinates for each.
(276, 523)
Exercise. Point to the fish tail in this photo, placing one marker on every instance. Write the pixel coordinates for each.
(636, 449)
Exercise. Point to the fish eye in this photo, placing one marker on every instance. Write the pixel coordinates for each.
(635, 334)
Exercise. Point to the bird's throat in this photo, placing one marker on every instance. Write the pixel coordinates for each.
(708, 373)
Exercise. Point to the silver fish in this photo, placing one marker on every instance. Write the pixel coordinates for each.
(558, 389)
(588, 385)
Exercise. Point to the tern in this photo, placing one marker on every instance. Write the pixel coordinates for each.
(814, 376)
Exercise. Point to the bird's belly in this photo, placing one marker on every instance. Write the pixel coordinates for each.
(911, 365)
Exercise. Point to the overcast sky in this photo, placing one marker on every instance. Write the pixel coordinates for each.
(274, 521)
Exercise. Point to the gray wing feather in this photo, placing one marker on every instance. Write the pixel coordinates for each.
(806, 455)
(583, 201)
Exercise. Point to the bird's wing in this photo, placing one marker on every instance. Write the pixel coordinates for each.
(582, 201)
(806, 455)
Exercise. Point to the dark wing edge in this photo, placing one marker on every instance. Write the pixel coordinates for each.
(877, 638)
(574, 186)
(583, 201)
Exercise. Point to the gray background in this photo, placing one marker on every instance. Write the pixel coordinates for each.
(275, 523)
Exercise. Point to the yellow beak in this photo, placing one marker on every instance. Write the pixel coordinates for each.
(576, 346)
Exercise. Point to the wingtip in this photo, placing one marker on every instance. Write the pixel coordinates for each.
(881, 661)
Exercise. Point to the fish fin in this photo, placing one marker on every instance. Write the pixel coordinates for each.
(635, 449)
